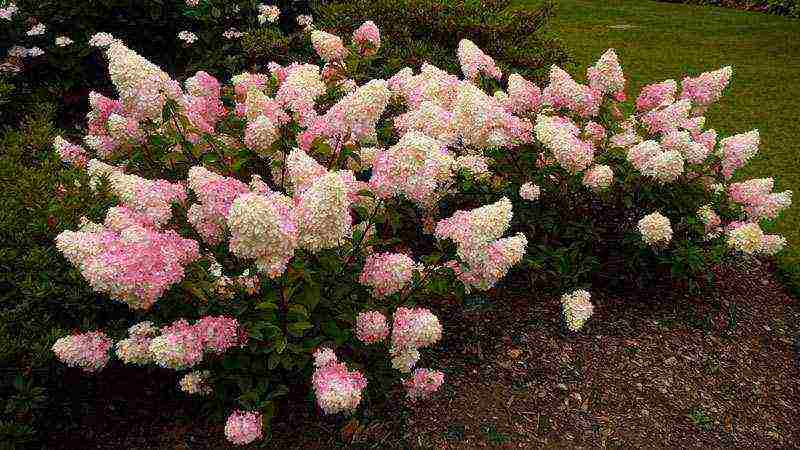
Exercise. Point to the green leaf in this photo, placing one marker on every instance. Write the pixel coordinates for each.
(298, 328)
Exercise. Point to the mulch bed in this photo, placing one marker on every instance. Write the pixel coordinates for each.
(654, 372)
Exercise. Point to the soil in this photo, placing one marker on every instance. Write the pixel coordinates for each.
(692, 372)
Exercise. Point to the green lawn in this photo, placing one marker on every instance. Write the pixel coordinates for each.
(656, 41)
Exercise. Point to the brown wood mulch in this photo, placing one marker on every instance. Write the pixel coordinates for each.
(654, 372)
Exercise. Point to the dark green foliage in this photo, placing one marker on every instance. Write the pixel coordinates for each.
(417, 31)
(789, 8)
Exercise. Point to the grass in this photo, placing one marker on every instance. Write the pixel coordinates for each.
(656, 41)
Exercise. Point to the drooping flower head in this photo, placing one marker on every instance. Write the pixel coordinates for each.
(577, 308)
(367, 38)
(474, 61)
(606, 76)
(423, 383)
(387, 273)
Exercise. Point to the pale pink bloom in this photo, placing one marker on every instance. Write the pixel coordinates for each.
(329, 47)
(268, 13)
(577, 308)
(668, 118)
(264, 228)
(70, 153)
(560, 136)
(529, 191)
(423, 384)
(474, 62)
(371, 327)
(8, 11)
(405, 359)
(744, 237)
(414, 328)
(476, 165)
(595, 131)
(655, 229)
(481, 121)
(771, 244)
(606, 76)
(707, 87)
(336, 388)
(215, 194)
(429, 119)
(598, 177)
(188, 37)
(523, 95)
(387, 273)
(657, 95)
(564, 92)
(89, 351)
(178, 347)
(323, 213)
(709, 218)
(367, 38)
(195, 383)
(737, 151)
(757, 198)
(220, 333)
(243, 427)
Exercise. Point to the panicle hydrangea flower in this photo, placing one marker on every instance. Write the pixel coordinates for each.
(577, 308)
(195, 383)
(232, 33)
(431, 84)
(143, 87)
(404, 360)
(302, 170)
(758, 199)
(709, 218)
(263, 227)
(323, 357)
(371, 327)
(737, 150)
(694, 152)
(336, 388)
(305, 21)
(415, 167)
(707, 87)
(668, 118)
(595, 131)
(8, 11)
(101, 40)
(260, 134)
(744, 237)
(215, 195)
(771, 244)
(423, 384)
(598, 177)
(268, 13)
(127, 258)
(352, 118)
(564, 92)
(151, 198)
(37, 30)
(63, 41)
(188, 37)
(657, 95)
(135, 350)
(243, 427)
(606, 76)
(474, 62)
(482, 121)
(323, 213)
(428, 118)
(529, 191)
(329, 47)
(178, 347)
(655, 229)
(523, 95)
(487, 264)
(89, 351)
(387, 273)
(243, 83)
(298, 91)
(707, 138)
(478, 226)
(367, 38)
(414, 328)
(560, 136)
(476, 165)
(651, 160)
(70, 153)
(219, 333)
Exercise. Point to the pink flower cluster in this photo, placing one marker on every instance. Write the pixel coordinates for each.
(606, 76)
(412, 329)
(181, 345)
(423, 383)
(560, 136)
(215, 195)
(70, 153)
(337, 389)
(371, 327)
(243, 427)
(653, 161)
(474, 62)
(128, 258)
(757, 198)
(387, 273)
(89, 351)
(564, 92)
(329, 47)
(367, 38)
(706, 88)
(136, 348)
(477, 234)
